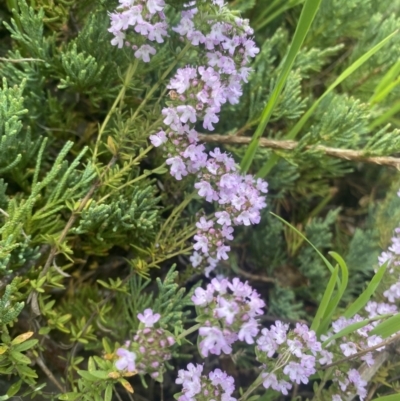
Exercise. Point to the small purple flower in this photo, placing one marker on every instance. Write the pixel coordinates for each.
(144, 52)
(178, 167)
(187, 113)
(149, 317)
(210, 118)
(218, 386)
(126, 361)
(348, 348)
(202, 297)
(158, 139)
(213, 342)
(248, 331)
(155, 6)
(196, 259)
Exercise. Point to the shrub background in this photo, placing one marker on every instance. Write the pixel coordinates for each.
(60, 79)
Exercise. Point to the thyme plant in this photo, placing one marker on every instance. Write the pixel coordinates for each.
(126, 238)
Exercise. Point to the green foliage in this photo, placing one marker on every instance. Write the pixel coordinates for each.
(170, 301)
(13, 361)
(90, 223)
(9, 309)
(16, 146)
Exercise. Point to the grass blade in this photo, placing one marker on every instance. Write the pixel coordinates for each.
(362, 300)
(299, 125)
(330, 310)
(385, 82)
(388, 327)
(326, 261)
(308, 12)
(325, 301)
(351, 328)
(384, 117)
(391, 397)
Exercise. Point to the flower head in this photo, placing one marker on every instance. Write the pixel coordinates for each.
(148, 317)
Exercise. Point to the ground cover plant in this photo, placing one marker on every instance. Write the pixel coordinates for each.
(199, 200)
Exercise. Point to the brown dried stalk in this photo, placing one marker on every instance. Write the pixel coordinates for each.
(346, 154)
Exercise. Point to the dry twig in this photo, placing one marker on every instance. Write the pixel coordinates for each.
(346, 154)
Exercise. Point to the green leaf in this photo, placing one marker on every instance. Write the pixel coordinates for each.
(299, 125)
(351, 328)
(24, 370)
(106, 345)
(17, 356)
(26, 345)
(44, 330)
(385, 83)
(392, 397)
(100, 374)
(325, 300)
(363, 299)
(388, 327)
(91, 365)
(335, 301)
(308, 13)
(88, 376)
(326, 261)
(384, 117)
(108, 392)
(14, 388)
(103, 283)
(69, 396)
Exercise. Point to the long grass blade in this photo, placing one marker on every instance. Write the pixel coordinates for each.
(326, 299)
(385, 83)
(388, 327)
(351, 328)
(308, 12)
(391, 397)
(362, 300)
(326, 261)
(342, 285)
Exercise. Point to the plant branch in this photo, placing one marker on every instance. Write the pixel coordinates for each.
(256, 277)
(361, 353)
(33, 297)
(48, 373)
(20, 60)
(346, 154)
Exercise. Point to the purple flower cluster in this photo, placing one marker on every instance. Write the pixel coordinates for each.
(294, 354)
(392, 255)
(228, 311)
(144, 17)
(149, 348)
(197, 94)
(238, 198)
(358, 340)
(224, 48)
(218, 386)
(350, 384)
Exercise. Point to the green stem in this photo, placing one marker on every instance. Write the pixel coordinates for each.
(252, 387)
(169, 256)
(175, 212)
(128, 77)
(278, 12)
(189, 331)
(140, 177)
(326, 377)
